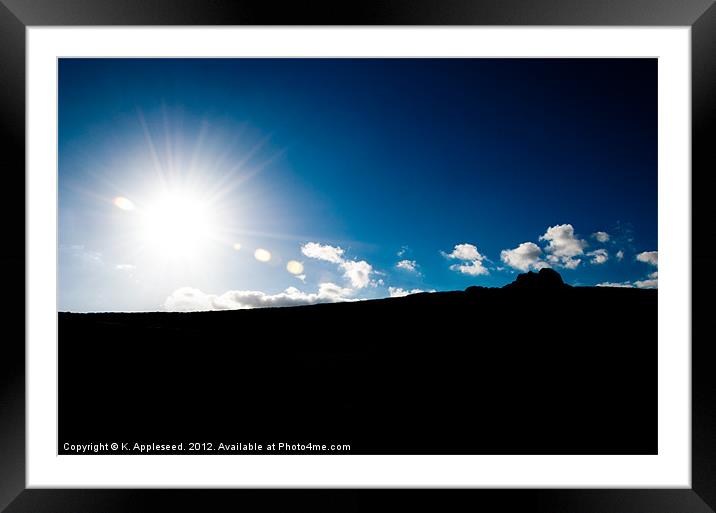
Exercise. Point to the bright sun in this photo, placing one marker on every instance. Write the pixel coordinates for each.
(176, 225)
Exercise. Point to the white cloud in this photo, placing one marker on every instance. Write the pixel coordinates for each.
(471, 260)
(562, 241)
(125, 267)
(570, 263)
(398, 292)
(474, 268)
(563, 245)
(187, 299)
(301, 277)
(566, 262)
(649, 257)
(464, 252)
(82, 255)
(601, 236)
(408, 265)
(332, 291)
(402, 251)
(523, 257)
(357, 272)
(620, 255)
(651, 283)
(599, 256)
(325, 252)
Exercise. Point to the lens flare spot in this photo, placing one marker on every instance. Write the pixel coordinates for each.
(123, 203)
(294, 267)
(236, 246)
(262, 255)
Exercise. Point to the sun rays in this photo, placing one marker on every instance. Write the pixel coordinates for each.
(184, 192)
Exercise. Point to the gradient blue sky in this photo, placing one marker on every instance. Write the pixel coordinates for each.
(386, 159)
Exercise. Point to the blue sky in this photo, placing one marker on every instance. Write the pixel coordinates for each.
(174, 172)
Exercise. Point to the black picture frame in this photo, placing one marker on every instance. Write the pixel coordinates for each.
(16, 15)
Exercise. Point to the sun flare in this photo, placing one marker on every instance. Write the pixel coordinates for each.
(123, 203)
(177, 225)
(262, 255)
(294, 267)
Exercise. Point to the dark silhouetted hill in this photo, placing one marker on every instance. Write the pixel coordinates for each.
(545, 279)
(534, 367)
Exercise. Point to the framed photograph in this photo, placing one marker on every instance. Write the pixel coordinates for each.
(306, 259)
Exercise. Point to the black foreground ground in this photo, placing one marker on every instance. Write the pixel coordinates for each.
(536, 367)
